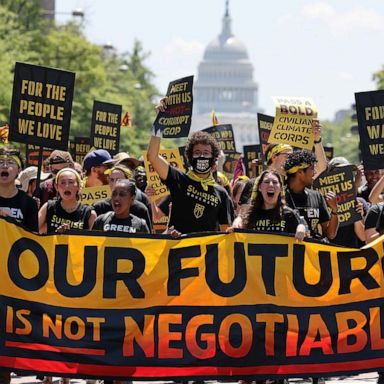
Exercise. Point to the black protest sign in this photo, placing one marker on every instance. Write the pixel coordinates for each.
(105, 128)
(79, 148)
(41, 106)
(370, 117)
(175, 121)
(341, 181)
(264, 123)
(252, 152)
(328, 150)
(32, 154)
(223, 133)
(229, 165)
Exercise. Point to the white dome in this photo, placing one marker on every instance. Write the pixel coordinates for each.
(230, 48)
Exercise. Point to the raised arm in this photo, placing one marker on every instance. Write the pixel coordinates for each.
(321, 164)
(376, 193)
(159, 164)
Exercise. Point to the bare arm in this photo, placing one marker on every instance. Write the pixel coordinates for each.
(321, 164)
(375, 195)
(159, 164)
(92, 219)
(43, 219)
(330, 227)
(370, 235)
(359, 225)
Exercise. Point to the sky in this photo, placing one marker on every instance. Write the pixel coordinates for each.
(327, 50)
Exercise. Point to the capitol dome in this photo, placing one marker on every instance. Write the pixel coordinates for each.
(226, 47)
(225, 75)
(225, 84)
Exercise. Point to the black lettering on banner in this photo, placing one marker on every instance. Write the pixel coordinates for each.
(176, 120)
(111, 276)
(268, 253)
(325, 278)
(61, 267)
(223, 133)
(41, 106)
(105, 126)
(239, 280)
(370, 117)
(175, 272)
(18, 248)
(347, 273)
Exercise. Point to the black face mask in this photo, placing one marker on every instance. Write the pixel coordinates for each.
(202, 164)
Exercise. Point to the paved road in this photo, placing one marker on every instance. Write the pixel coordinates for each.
(366, 378)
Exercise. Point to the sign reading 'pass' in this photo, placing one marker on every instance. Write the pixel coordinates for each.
(41, 106)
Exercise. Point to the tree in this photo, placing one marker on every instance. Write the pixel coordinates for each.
(100, 75)
(343, 141)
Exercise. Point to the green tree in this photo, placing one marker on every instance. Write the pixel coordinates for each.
(343, 141)
(103, 75)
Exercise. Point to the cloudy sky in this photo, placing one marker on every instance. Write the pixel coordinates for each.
(323, 49)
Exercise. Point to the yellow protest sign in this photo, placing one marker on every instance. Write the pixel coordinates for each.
(174, 159)
(91, 195)
(293, 122)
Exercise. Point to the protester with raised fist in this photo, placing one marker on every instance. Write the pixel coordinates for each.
(198, 202)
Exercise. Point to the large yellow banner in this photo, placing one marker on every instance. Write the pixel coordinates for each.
(209, 306)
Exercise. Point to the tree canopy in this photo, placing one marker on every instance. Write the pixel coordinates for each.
(101, 74)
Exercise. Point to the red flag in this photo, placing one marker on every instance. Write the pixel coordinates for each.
(239, 170)
(4, 133)
(126, 120)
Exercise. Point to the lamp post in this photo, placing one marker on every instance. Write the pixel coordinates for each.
(76, 13)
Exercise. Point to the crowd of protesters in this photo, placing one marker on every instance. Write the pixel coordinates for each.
(280, 200)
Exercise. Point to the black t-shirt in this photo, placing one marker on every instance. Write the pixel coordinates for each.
(311, 205)
(346, 235)
(193, 208)
(137, 209)
(22, 208)
(373, 215)
(108, 222)
(47, 191)
(57, 216)
(364, 192)
(164, 204)
(380, 221)
(265, 221)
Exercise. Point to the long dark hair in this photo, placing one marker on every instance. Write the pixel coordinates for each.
(253, 212)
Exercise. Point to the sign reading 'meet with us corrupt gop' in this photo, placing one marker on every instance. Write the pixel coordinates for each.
(175, 121)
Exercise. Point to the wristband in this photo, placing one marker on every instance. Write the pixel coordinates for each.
(317, 141)
(157, 133)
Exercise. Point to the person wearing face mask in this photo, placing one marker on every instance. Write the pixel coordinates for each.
(198, 202)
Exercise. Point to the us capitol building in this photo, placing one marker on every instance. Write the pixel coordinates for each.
(225, 84)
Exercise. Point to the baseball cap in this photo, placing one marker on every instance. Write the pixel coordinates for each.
(95, 158)
(59, 157)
